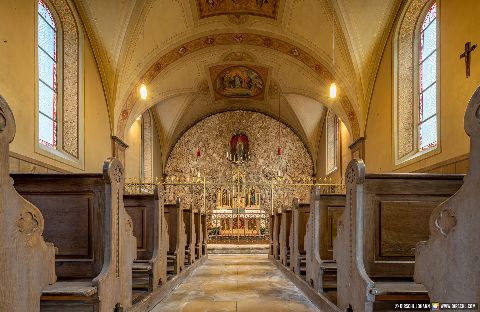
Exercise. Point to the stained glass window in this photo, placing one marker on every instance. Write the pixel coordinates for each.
(427, 126)
(332, 141)
(47, 77)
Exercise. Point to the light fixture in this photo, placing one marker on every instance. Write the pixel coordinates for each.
(333, 86)
(143, 91)
(333, 90)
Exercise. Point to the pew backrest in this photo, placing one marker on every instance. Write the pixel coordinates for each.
(143, 209)
(86, 219)
(176, 231)
(74, 208)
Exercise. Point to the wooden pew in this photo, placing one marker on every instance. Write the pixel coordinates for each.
(277, 216)
(197, 217)
(385, 216)
(325, 210)
(300, 214)
(86, 220)
(150, 229)
(447, 264)
(284, 240)
(27, 262)
(271, 221)
(189, 220)
(176, 237)
(205, 234)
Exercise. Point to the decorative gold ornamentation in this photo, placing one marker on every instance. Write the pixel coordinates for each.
(264, 8)
(238, 57)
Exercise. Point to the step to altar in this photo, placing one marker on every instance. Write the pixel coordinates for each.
(238, 248)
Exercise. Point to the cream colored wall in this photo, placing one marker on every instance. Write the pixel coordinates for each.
(97, 127)
(378, 134)
(133, 152)
(322, 153)
(458, 24)
(17, 86)
(345, 154)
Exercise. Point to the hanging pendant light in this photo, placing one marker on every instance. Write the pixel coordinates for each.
(143, 87)
(333, 86)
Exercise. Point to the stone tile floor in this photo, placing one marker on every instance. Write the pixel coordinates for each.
(243, 283)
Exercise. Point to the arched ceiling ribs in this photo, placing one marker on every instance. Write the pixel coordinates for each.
(250, 39)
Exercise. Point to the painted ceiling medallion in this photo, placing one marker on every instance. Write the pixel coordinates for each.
(238, 81)
(265, 8)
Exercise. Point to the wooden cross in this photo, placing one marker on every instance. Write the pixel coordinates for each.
(466, 54)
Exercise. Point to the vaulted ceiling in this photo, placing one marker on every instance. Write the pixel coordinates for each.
(172, 45)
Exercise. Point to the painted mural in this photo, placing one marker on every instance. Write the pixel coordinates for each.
(238, 82)
(265, 8)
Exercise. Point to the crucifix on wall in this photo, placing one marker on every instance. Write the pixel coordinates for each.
(467, 55)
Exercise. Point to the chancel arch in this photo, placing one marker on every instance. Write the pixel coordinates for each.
(258, 41)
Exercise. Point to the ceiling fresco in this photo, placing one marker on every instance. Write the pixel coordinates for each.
(238, 81)
(265, 8)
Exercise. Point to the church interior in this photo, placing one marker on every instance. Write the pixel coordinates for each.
(239, 155)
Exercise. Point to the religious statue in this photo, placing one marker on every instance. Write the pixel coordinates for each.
(239, 148)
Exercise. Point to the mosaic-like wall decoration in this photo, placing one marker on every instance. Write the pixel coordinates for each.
(212, 136)
(265, 8)
(238, 81)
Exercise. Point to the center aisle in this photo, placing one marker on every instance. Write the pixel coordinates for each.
(243, 283)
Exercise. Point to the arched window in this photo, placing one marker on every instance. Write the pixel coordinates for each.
(47, 77)
(332, 142)
(416, 92)
(427, 117)
(59, 86)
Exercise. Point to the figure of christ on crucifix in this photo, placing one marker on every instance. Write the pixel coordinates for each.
(467, 55)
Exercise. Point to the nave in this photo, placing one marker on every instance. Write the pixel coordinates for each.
(236, 283)
(342, 135)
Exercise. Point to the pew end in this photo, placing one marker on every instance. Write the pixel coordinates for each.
(385, 216)
(22, 245)
(325, 210)
(447, 263)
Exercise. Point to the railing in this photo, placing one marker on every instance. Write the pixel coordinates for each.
(234, 224)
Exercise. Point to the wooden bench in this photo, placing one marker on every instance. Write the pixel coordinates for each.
(205, 234)
(300, 214)
(325, 210)
(176, 237)
(284, 239)
(150, 229)
(276, 229)
(189, 220)
(27, 262)
(86, 220)
(448, 263)
(197, 218)
(385, 216)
